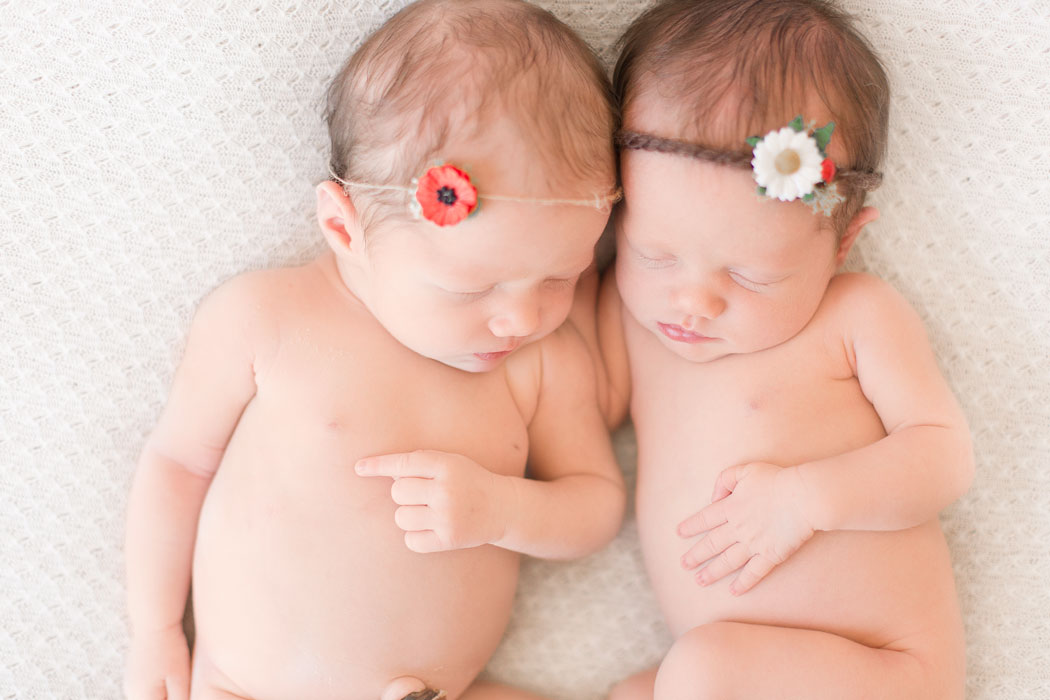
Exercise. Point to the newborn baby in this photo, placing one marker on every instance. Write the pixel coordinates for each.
(792, 416)
(341, 463)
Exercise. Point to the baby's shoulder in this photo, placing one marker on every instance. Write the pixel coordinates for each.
(238, 303)
(558, 362)
(860, 295)
(862, 306)
(249, 307)
(244, 290)
(565, 351)
(269, 293)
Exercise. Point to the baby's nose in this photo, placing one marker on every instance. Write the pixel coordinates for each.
(699, 300)
(518, 317)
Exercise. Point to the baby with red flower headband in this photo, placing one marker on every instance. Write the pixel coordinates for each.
(343, 454)
(793, 427)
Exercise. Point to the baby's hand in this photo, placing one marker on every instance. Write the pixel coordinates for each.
(446, 501)
(754, 521)
(158, 666)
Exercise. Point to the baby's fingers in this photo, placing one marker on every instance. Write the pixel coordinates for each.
(713, 544)
(756, 569)
(424, 542)
(421, 463)
(411, 491)
(414, 518)
(724, 564)
(726, 483)
(708, 517)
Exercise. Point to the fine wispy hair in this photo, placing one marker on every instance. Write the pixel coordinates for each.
(731, 69)
(441, 71)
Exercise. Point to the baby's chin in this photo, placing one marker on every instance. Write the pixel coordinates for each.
(707, 352)
(480, 362)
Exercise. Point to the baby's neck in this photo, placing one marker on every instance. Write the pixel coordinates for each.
(342, 276)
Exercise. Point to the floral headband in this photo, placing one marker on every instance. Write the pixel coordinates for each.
(445, 195)
(788, 164)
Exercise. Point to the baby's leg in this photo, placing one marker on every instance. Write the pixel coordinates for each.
(636, 687)
(485, 690)
(727, 660)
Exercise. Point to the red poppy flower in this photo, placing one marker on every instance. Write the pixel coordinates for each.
(827, 170)
(446, 195)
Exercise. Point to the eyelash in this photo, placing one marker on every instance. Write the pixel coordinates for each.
(558, 283)
(744, 282)
(470, 296)
(655, 263)
(561, 282)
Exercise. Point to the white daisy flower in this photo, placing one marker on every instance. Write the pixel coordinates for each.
(787, 163)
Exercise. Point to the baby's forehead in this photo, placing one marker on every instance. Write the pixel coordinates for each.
(698, 205)
(505, 241)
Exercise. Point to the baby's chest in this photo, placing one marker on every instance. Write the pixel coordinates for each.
(343, 402)
(789, 404)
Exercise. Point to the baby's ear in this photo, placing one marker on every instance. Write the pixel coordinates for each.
(338, 218)
(861, 219)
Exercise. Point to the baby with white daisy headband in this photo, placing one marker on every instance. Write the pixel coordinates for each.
(796, 439)
(342, 460)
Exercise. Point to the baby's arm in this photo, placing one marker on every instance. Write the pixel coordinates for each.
(213, 384)
(574, 503)
(925, 462)
(761, 514)
(572, 507)
(596, 314)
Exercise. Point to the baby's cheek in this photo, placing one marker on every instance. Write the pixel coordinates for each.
(640, 290)
(559, 306)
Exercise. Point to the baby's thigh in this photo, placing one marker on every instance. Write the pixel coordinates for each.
(727, 660)
(486, 690)
(636, 687)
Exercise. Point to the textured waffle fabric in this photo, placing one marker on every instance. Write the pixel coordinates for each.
(151, 150)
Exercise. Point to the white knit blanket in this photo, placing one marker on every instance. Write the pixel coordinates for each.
(149, 150)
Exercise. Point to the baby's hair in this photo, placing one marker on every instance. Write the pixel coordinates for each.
(440, 71)
(731, 69)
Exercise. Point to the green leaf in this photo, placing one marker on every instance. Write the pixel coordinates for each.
(796, 124)
(762, 191)
(753, 141)
(823, 136)
(808, 197)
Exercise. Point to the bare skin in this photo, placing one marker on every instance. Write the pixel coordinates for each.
(884, 602)
(353, 437)
(795, 443)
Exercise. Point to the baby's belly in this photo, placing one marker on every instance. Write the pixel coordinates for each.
(303, 587)
(876, 588)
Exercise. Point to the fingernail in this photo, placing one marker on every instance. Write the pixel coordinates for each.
(362, 464)
(685, 563)
(701, 579)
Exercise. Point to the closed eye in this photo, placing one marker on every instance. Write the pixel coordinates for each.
(560, 282)
(470, 295)
(748, 283)
(654, 263)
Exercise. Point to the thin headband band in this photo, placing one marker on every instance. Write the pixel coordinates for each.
(633, 140)
(599, 202)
